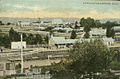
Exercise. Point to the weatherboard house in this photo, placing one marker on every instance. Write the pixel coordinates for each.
(62, 42)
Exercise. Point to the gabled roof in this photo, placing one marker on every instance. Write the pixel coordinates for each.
(59, 40)
(116, 28)
(107, 39)
(62, 40)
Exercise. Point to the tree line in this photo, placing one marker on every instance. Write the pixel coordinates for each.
(89, 23)
(8, 23)
(5, 40)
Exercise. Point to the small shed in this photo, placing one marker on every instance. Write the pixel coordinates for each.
(18, 45)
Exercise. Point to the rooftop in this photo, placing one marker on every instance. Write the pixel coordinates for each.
(116, 28)
(63, 40)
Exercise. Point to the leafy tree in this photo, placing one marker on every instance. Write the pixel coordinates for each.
(76, 25)
(47, 39)
(91, 22)
(13, 35)
(90, 57)
(62, 31)
(85, 58)
(30, 39)
(73, 35)
(18, 68)
(86, 35)
(98, 24)
(4, 41)
(24, 37)
(115, 65)
(38, 39)
(31, 68)
(87, 25)
(110, 32)
(1, 23)
(110, 24)
(8, 23)
(87, 28)
(82, 22)
(0, 30)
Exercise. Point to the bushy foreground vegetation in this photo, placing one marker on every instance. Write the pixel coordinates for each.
(88, 59)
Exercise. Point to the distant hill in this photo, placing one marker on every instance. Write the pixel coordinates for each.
(14, 20)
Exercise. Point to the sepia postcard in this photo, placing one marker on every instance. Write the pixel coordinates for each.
(59, 39)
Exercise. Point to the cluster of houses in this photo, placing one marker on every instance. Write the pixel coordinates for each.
(62, 32)
(60, 39)
(41, 23)
(62, 42)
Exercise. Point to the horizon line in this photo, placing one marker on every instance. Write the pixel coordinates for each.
(58, 17)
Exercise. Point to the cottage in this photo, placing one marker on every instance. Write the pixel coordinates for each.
(98, 32)
(58, 42)
(62, 42)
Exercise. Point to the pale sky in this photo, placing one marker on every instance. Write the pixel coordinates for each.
(59, 8)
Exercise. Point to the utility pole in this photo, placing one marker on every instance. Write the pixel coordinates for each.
(21, 54)
(21, 50)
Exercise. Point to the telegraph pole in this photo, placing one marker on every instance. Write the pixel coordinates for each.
(21, 50)
(21, 54)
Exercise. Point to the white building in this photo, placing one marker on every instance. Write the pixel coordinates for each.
(24, 24)
(48, 23)
(17, 45)
(57, 21)
(108, 41)
(36, 24)
(97, 32)
(62, 42)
